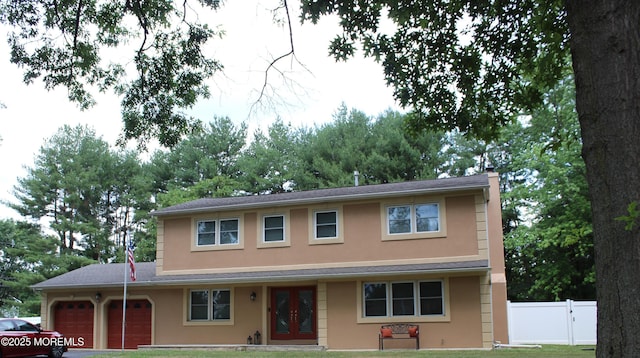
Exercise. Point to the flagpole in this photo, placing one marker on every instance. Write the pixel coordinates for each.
(124, 299)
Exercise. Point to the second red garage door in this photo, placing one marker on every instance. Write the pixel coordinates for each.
(138, 324)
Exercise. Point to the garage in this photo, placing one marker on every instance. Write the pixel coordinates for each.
(138, 324)
(74, 319)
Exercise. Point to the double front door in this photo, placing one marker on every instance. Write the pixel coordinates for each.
(293, 313)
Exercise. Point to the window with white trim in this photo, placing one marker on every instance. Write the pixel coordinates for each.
(326, 224)
(431, 298)
(427, 217)
(419, 218)
(375, 299)
(394, 299)
(217, 232)
(399, 219)
(402, 299)
(210, 305)
(199, 305)
(273, 228)
(228, 232)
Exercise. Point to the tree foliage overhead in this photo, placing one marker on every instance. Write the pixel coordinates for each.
(67, 43)
(457, 64)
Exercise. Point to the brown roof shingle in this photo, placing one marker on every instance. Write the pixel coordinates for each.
(112, 275)
(324, 195)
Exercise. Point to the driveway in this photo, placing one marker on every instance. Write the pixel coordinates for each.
(81, 353)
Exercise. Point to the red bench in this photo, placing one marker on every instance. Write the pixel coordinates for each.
(399, 331)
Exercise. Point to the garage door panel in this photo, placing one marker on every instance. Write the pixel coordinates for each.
(74, 319)
(138, 324)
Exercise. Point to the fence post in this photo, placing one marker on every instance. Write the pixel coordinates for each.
(570, 323)
(510, 323)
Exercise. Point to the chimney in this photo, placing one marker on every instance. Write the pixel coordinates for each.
(355, 176)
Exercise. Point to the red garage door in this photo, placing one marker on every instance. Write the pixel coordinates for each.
(138, 324)
(74, 319)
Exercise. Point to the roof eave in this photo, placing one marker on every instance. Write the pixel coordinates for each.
(271, 279)
(303, 201)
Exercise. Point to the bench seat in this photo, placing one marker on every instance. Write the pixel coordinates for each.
(398, 331)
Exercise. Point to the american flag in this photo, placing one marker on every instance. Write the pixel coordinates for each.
(132, 262)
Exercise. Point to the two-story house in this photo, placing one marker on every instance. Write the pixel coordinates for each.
(322, 267)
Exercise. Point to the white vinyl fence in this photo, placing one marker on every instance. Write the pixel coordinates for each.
(569, 322)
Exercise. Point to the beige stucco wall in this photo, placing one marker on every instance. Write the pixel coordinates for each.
(363, 242)
(461, 330)
(172, 327)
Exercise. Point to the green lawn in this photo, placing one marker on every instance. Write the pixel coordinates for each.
(547, 351)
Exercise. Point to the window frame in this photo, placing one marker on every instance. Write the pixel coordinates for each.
(191, 306)
(391, 315)
(415, 216)
(217, 245)
(213, 303)
(221, 231)
(393, 300)
(214, 232)
(286, 230)
(413, 232)
(210, 320)
(283, 228)
(312, 224)
(419, 298)
(316, 225)
(389, 219)
(364, 298)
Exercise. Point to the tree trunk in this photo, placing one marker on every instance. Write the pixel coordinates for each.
(605, 47)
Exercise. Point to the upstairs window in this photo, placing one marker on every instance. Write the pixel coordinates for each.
(228, 232)
(206, 232)
(273, 228)
(419, 218)
(427, 218)
(399, 218)
(326, 223)
(217, 232)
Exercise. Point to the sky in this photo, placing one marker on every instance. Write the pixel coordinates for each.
(311, 93)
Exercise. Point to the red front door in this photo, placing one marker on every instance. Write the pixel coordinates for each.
(293, 313)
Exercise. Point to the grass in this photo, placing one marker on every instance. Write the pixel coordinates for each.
(547, 351)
